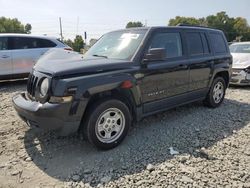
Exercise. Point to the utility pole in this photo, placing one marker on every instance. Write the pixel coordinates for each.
(60, 21)
(85, 37)
(77, 25)
(146, 23)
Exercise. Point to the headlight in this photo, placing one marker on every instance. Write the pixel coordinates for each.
(44, 88)
(64, 99)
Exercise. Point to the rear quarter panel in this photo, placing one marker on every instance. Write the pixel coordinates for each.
(222, 61)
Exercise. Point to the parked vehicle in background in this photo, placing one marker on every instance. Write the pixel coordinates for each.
(126, 76)
(19, 52)
(241, 63)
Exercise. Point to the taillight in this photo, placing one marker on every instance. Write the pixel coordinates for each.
(69, 49)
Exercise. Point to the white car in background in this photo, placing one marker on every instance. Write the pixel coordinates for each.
(241, 63)
(19, 52)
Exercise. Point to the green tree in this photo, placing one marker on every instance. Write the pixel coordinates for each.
(242, 28)
(223, 22)
(232, 27)
(69, 43)
(78, 43)
(8, 25)
(134, 24)
(27, 28)
(184, 20)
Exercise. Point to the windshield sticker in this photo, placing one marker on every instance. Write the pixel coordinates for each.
(129, 36)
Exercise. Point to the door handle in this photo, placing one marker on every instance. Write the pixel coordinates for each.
(5, 56)
(183, 66)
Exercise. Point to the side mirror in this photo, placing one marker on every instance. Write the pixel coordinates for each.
(155, 54)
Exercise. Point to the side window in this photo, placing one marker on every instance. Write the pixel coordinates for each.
(206, 49)
(3, 43)
(218, 43)
(24, 43)
(170, 41)
(194, 43)
(44, 43)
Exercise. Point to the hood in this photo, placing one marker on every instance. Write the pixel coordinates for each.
(241, 60)
(59, 62)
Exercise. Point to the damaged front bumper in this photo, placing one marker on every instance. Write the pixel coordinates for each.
(47, 116)
(240, 77)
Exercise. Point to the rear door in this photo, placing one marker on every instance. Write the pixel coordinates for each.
(201, 60)
(5, 58)
(26, 51)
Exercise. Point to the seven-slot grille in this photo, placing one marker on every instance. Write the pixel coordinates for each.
(32, 84)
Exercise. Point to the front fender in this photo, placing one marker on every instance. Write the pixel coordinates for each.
(93, 84)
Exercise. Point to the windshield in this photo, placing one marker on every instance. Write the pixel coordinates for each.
(117, 45)
(240, 48)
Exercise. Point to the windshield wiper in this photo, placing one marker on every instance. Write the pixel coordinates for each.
(96, 55)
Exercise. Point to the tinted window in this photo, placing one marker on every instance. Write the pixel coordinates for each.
(194, 43)
(29, 43)
(3, 43)
(170, 41)
(218, 43)
(205, 44)
(44, 43)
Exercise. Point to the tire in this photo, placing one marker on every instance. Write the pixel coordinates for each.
(114, 120)
(214, 99)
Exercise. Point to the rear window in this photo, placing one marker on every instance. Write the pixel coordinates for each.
(218, 43)
(31, 43)
(44, 43)
(3, 43)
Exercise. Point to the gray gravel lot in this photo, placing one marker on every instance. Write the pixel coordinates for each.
(212, 149)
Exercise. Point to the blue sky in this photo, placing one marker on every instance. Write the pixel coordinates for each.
(98, 16)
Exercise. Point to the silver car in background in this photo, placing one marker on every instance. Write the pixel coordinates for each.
(19, 52)
(241, 63)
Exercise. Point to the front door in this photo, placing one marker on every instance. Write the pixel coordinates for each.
(5, 58)
(166, 80)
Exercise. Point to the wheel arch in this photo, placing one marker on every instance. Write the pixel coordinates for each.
(124, 95)
(222, 73)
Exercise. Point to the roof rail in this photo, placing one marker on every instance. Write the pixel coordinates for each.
(188, 25)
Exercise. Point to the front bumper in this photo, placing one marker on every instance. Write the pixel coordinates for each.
(240, 77)
(47, 116)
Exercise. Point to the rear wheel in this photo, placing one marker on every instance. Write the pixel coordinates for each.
(216, 93)
(107, 123)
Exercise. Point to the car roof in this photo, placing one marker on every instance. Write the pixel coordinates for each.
(25, 35)
(171, 27)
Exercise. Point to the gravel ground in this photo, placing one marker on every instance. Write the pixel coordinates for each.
(189, 146)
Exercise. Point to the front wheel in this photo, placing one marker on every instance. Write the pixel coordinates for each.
(216, 93)
(107, 123)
